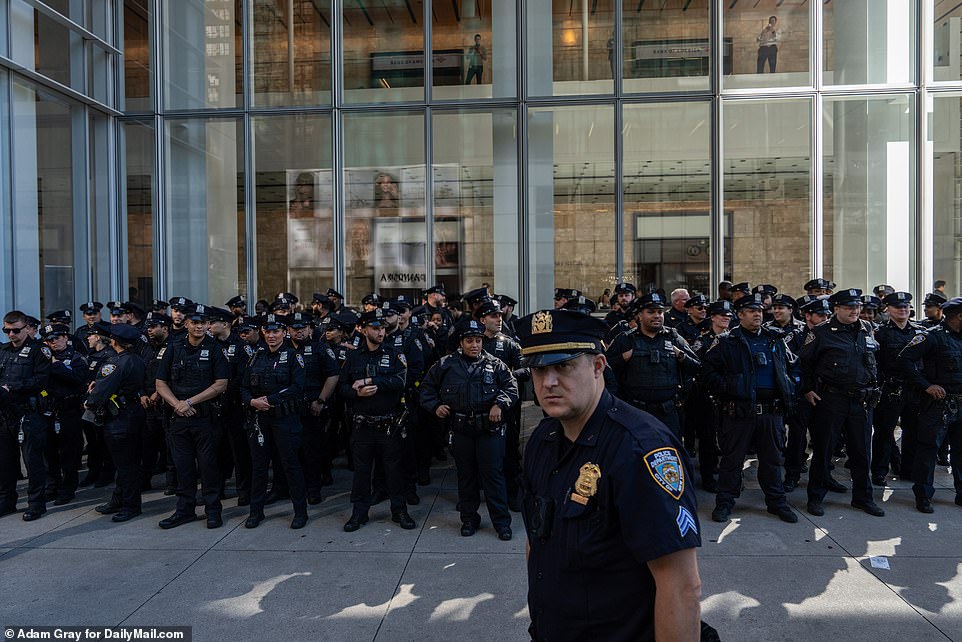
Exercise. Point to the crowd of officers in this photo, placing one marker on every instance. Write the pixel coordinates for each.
(202, 393)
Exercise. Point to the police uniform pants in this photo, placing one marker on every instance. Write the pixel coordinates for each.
(936, 427)
(479, 463)
(839, 415)
(701, 413)
(153, 443)
(99, 464)
(667, 413)
(884, 419)
(512, 451)
(235, 430)
(368, 443)
(284, 433)
(797, 443)
(195, 443)
(314, 451)
(122, 435)
(765, 434)
(34, 442)
(64, 452)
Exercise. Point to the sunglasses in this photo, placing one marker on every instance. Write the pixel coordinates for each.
(699, 307)
(14, 330)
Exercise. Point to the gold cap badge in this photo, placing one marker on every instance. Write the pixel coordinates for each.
(541, 323)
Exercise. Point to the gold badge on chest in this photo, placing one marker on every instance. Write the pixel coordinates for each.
(587, 484)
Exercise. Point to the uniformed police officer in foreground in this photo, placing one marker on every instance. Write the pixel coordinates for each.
(747, 367)
(609, 508)
(939, 380)
(24, 371)
(473, 392)
(114, 401)
(272, 390)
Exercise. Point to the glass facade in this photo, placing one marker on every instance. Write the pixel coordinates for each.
(209, 147)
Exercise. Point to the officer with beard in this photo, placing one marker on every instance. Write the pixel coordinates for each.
(624, 295)
(155, 411)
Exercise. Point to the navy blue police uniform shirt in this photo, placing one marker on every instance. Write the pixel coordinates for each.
(589, 579)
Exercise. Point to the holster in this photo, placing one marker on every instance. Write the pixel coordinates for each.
(538, 513)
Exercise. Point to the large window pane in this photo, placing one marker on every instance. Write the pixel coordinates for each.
(202, 53)
(767, 44)
(205, 210)
(946, 163)
(768, 192)
(292, 52)
(474, 49)
(295, 201)
(102, 253)
(570, 47)
(946, 53)
(385, 234)
(383, 48)
(667, 190)
(137, 72)
(476, 200)
(869, 178)
(139, 146)
(571, 204)
(869, 41)
(665, 49)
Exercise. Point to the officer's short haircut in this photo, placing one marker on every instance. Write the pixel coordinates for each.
(16, 316)
(939, 284)
(678, 292)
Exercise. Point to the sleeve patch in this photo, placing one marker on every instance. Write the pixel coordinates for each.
(107, 370)
(810, 338)
(666, 469)
(402, 359)
(46, 352)
(685, 522)
(300, 360)
(916, 340)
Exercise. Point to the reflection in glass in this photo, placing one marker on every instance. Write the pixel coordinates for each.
(52, 57)
(666, 48)
(385, 233)
(137, 76)
(946, 163)
(571, 204)
(869, 184)
(476, 201)
(292, 64)
(140, 171)
(383, 48)
(869, 42)
(570, 47)
(294, 201)
(205, 209)
(768, 192)
(946, 54)
(474, 49)
(203, 65)
(102, 263)
(667, 193)
(769, 43)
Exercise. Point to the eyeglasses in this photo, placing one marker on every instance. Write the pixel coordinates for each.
(14, 330)
(700, 307)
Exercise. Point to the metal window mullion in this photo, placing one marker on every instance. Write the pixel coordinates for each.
(116, 204)
(521, 145)
(73, 26)
(158, 181)
(80, 195)
(250, 178)
(429, 195)
(428, 42)
(337, 147)
(619, 181)
(717, 205)
(39, 79)
(925, 181)
(817, 146)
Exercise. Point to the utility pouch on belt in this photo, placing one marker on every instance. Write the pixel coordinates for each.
(538, 513)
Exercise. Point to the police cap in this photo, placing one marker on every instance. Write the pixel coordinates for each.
(179, 303)
(135, 308)
(468, 328)
(387, 306)
(505, 300)
(819, 284)
(197, 312)
(580, 304)
(818, 305)
(272, 322)
(54, 330)
(566, 293)
(488, 307)
(742, 287)
(722, 306)
(236, 302)
(346, 320)
(280, 304)
(784, 300)
(373, 318)
(934, 298)
(898, 299)
(435, 289)
(754, 301)
(101, 328)
(871, 302)
(696, 301)
(477, 295)
(549, 337)
(952, 305)
(220, 314)
(402, 303)
(248, 323)
(625, 287)
(117, 307)
(124, 333)
(765, 288)
(289, 296)
(158, 305)
(652, 300)
(323, 299)
(92, 306)
(883, 290)
(851, 296)
(157, 318)
(299, 320)
(372, 299)
(59, 315)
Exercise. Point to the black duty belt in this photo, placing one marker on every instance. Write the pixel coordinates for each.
(742, 409)
(861, 393)
(375, 422)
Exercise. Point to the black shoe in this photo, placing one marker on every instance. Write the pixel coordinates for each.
(243, 501)
(468, 529)
(7, 510)
(790, 484)
(63, 499)
(835, 486)
(108, 509)
(958, 499)
(215, 521)
(125, 516)
(504, 534)
(424, 479)
(299, 521)
(169, 491)
(784, 513)
(404, 521)
(514, 502)
(145, 486)
(177, 519)
(254, 520)
(412, 498)
(103, 481)
(327, 480)
(721, 513)
(878, 480)
(379, 497)
(33, 513)
(355, 523)
(896, 467)
(815, 508)
(924, 505)
(51, 494)
(314, 499)
(869, 507)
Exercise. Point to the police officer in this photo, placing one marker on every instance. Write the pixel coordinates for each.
(677, 311)
(178, 304)
(100, 469)
(156, 420)
(337, 299)
(870, 309)
(62, 403)
(819, 287)
(767, 291)
(840, 379)
(939, 380)
(74, 342)
(272, 389)
(508, 319)
(653, 364)
(898, 404)
(697, 321)
(192, 375)
(740, 290)
(114, 402)
(783, 316)
(473, 392)
(747, 368)
(563, 295)
(609, 509)
(24, 371)
(91, 315)
(624, 294)
(321, 373)
(372, 382)
(238, 309)
(932, 306)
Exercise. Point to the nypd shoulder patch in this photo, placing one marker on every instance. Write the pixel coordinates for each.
(665, 467)
(46, 352)
(107, 370)
(916, 340)
(300, 360)
(402, 359)
(810, 338)
(685, 522)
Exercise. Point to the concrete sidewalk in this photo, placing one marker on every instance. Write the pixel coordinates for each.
(763, 579)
